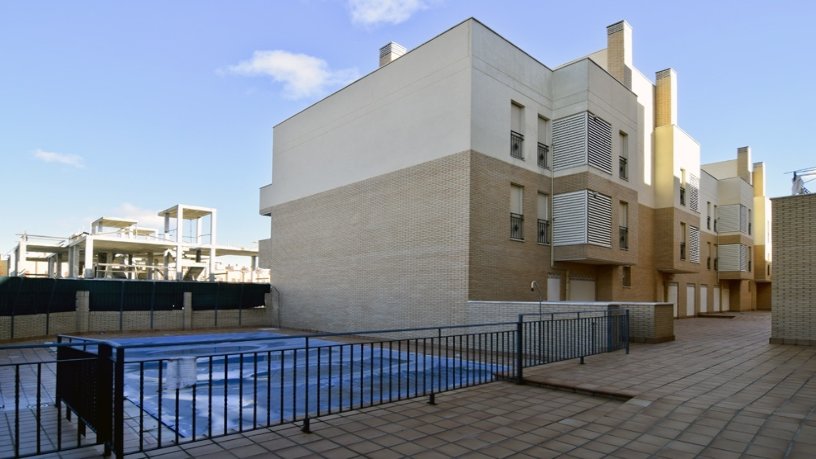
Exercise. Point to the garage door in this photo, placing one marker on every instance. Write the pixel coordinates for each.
(716, 298)
(582, 290)
(690, 291)
(554, 288)
(726, 299)
(703, 299)
(671, 296)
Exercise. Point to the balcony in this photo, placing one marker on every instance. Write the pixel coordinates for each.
(624, 238)
(543, 231)
(516, 145)
(543, 155)
(623, 167)
(682, 250)
(708, 222)
(517, 227)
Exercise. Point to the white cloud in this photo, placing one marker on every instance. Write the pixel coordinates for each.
(61, 158)
(375, 12)
(302, 75)
(146, 218)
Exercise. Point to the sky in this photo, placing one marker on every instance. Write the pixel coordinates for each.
(123, 109)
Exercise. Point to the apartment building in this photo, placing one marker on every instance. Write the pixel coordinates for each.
(465, 169)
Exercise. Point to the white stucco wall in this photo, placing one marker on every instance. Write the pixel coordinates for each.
(410, 111)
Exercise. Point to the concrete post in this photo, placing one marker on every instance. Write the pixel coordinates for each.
(272, 305)
(89, 267)
(179, 241)
(188, 310)
(83, 306)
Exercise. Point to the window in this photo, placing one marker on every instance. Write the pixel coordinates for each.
(624, 226)
(516, 212)
(543, 144)
(543, 218)
(626, 276)
(716, 257)
(749, 224)
(623, 160)
(516, 127)
(715, 218)
(708, 259)
(708, 214)
(682, 241)
(682, 187)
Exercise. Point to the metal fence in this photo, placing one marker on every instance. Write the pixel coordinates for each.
(141, 396)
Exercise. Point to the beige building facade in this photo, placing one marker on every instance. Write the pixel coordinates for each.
(464, 169)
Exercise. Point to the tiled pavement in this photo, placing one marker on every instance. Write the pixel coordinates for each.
(720, 390)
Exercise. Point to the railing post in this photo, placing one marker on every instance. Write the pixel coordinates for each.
(520, 350)
(119, 404)
(104, 394)
(306, 422)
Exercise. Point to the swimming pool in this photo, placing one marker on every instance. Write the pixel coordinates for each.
(265, 378)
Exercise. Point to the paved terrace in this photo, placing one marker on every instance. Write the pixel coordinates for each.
(720, 390)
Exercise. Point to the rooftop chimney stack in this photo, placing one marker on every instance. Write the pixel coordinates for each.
(665, 98)
(744, 165)
(390, 52)
(619, 52)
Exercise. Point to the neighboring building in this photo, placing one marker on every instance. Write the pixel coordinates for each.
(464, 169)
(794, 270)
(3, 268)
(118, 248)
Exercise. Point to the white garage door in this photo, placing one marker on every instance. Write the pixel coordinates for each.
(671, 297)
(703, 299)
(554, 288)
(690, 290)
(582, 290)
(716, 297)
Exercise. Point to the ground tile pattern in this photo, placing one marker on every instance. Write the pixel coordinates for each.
(720, 390)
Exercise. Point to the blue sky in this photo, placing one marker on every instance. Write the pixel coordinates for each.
(124, 109)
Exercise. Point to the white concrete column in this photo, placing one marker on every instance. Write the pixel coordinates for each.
(179, 241)
(253, 265)
(131, 271)
(22, 255)
(51, 266)
(58, 262)
(89, 248)
(212, 246)
(198, 231)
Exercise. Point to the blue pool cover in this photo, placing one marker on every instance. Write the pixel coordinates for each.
(217, 388)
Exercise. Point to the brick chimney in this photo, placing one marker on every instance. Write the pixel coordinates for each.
(619, 52)
(744, 165)
(665, 98)
(391, 52)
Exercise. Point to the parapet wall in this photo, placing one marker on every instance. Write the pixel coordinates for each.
(648, 322)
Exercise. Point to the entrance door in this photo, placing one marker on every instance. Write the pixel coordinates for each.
(582, 290)
(690, 291)
(726, 299)
(703, 299)
(671, 296)
(716, 297)
(554, 288)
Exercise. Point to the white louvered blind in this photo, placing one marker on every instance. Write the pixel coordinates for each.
(570, 218)
(569, 141)
(599, 145)
(694, 244)
(599, 222)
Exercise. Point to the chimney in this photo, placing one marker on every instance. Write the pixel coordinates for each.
(665, 98)
(391, 52)
(744, 165)
(759, 179)
(619, 52)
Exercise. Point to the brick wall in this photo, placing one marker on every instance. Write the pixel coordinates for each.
(794, 270)
(389, 251)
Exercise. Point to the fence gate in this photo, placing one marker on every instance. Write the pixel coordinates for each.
(85, 386)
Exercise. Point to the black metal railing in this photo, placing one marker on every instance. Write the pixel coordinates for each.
(716, 264)
(516, 145)
(158, 393)
(682, 196)
(623, 167)
(516, 226)
(682, 250)
(624, 238)
(543, 231)
(708, 263)
(715, 225)
(543, 155)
